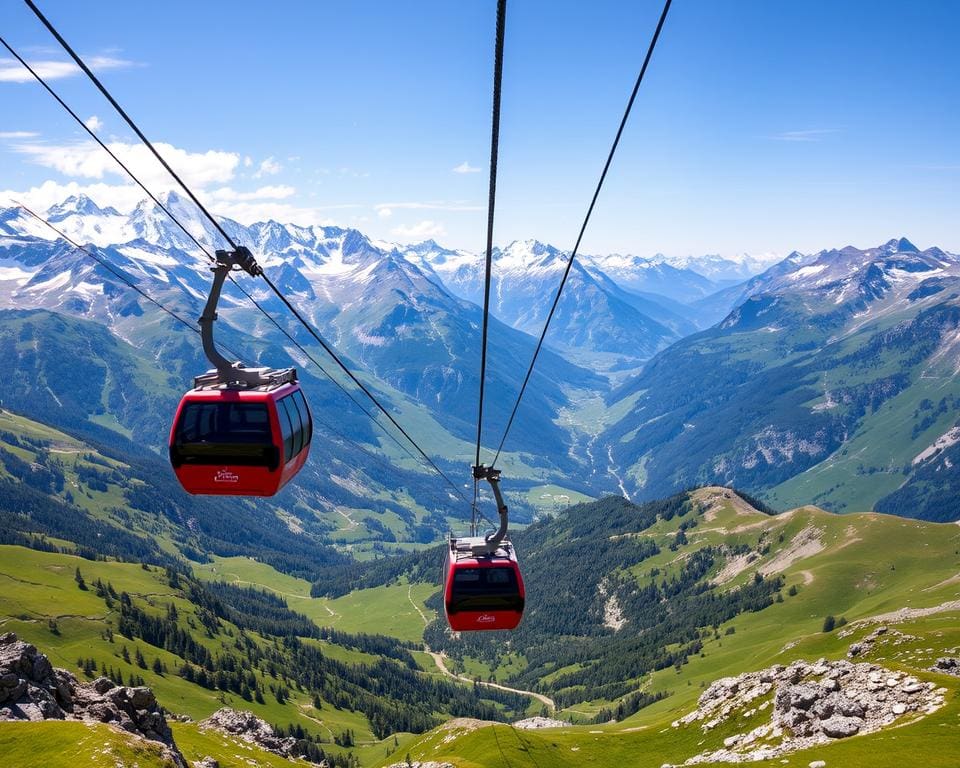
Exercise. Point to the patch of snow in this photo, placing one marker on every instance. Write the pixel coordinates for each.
(16, 274)
(148, 257)
(813, 269)
(89, 289)
(907, 275)
(55, 282)
(373, 341)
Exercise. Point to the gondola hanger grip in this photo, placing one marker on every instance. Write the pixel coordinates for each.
(492, 541)
(226, 372)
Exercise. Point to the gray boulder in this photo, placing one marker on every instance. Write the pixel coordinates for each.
(839, 727)
(948, 664)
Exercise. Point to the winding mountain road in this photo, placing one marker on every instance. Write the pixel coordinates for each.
(438, 659)
(441, 665)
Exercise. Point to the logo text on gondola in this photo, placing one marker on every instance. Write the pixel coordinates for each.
(226, 476)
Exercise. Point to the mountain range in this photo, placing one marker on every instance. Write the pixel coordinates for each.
(832, 381)
(826, 376)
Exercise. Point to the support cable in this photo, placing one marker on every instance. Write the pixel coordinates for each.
(586, 220)
(491, 207)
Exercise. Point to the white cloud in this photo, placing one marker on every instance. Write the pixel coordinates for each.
(86, 159)
(420, 231)
(12, 71)
(384, 213)
(811, 135)
(247, 161)
(465, 167)
(122, 197)
(94, 123)
(268, 167)
(86, 169)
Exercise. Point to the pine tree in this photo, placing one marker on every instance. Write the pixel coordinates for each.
(78, 577)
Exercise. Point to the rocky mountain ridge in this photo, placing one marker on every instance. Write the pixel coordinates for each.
(818, 353)
(31, 689)
(807, 704)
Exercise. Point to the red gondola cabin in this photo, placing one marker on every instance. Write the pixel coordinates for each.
(229, 441)
(482, 590)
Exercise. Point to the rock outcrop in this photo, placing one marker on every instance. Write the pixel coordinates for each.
(866, 645)
(31, 689)
(535, 723)
(418, 764)
(808, 704)
(949, 665)
(246, 726)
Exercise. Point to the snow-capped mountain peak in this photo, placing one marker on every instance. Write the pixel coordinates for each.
(901, 245)
(529, 254)
(77, 205)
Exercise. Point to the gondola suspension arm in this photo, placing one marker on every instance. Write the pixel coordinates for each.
(225, 371)
(492, 540)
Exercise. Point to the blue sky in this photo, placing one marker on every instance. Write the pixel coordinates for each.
(762, 126)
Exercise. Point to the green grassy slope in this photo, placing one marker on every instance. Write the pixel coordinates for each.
(54, 744)
(78, 745)
(856, 566)
(41, 601)
(395, 610)
(40, 587)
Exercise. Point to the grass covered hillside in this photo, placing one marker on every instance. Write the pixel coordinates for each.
(864, 570)
(633, 612)
(204, 645)
(623, 598)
